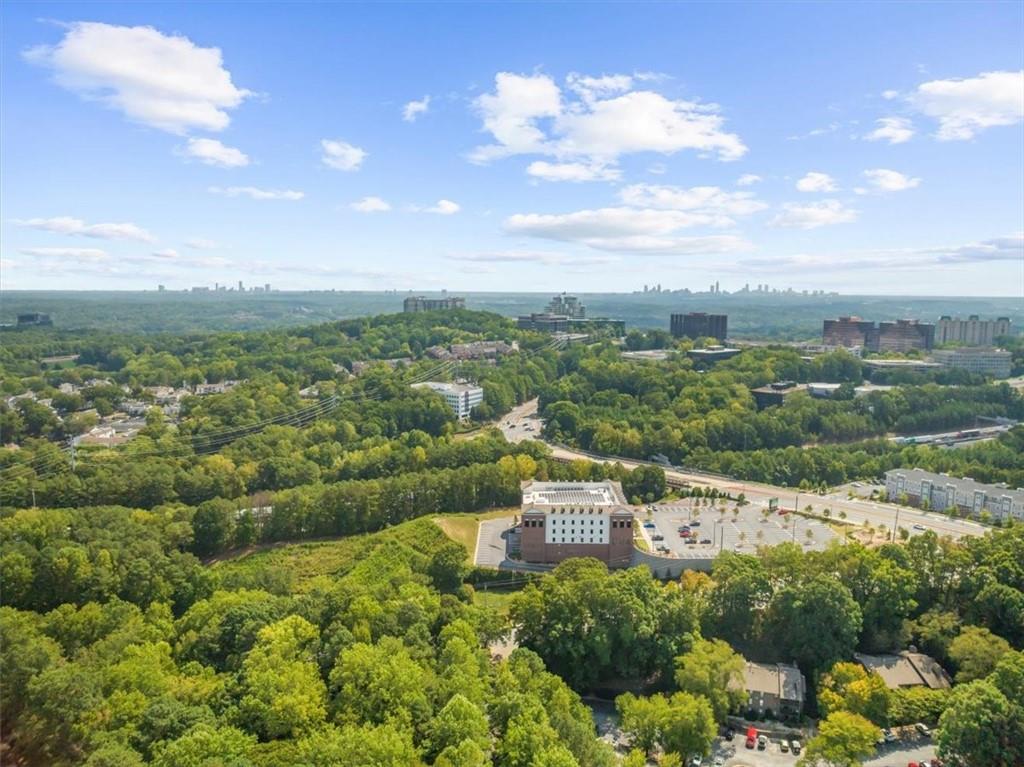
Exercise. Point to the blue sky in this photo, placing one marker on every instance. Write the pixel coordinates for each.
(862, 147)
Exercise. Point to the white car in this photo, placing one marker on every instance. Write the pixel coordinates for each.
(719, 761)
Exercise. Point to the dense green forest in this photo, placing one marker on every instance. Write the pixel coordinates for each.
(124, 640)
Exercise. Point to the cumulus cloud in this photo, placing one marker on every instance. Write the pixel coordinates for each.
(711, 201)
(212, 152)
(595, 121)
(748, 179)
(548, 258)
(626, 230)
(82, 255)
(170, 253)
(444, 208)
(572, 171)
(256, 193)
(895, 130)
(813, 215)
(414, 109)
(76, 226)
(964, 108)
(341, 155)
(816, 182)
(890, 180)
(371, 205)
(164, 81)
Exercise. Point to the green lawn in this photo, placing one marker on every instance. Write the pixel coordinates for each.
(499, 601)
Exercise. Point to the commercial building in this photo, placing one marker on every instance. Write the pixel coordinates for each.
(34, 319)
(942, 492)
(991, 362)
(712, 354)
(972, 331)
(776, 687)
(543, 322)
(699, 325)
(896, 336)
(561, 520)
(775, 393)
(848, 333)
(461, 397)
(907, 669)
(915, 366)
(422, 304)
(568, 305)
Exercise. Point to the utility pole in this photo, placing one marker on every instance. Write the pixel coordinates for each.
(896, 524)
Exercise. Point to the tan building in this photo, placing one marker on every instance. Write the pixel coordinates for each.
(776, 687)
(972, 331)
(907, 669)
(561, 520)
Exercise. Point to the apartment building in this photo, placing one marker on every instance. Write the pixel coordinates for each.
(942, 492)
(972, 331)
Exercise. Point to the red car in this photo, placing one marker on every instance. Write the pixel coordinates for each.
(751, 737)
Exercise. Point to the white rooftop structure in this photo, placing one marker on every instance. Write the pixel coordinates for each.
(573, 494)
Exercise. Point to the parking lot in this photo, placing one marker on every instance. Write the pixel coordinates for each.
(715, 531)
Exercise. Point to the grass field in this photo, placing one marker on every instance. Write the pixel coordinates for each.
(298, 565)
(500, 601)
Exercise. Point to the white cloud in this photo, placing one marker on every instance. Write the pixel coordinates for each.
(596, 87)
(169, 253)
(82, 255)
(711, 201)
(341, 155)
(444, 208)
(813, 215)
(256, 193)
(890, 180)
(599, 120)
(201, 243)
(163, 81)
(548, 258)
(626, 230)
(816, 182)
(895, 130)
(511, 113)
(748, 179)
(966, 107)
(890, 95)
(414, 109)
(75, 226)
(658, 169)
(371, 205)
(572, 171)
(211, 152)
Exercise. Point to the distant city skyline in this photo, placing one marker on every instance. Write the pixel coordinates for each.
(839, 147)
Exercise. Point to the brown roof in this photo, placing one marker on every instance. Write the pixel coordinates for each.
(908, 669)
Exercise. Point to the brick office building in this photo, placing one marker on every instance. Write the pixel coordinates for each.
(576, 519)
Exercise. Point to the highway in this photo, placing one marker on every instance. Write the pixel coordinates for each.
(523, 423)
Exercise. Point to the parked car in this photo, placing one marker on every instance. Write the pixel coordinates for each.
(648, 523)
(685, 533)
(683, 527)
(695, 523)
(919, 527)
(783, 746)
(751, 737)
(719, 761)
(889, 735)
(691, 541)
(762, 742)
(696, 761)
(795, 746)
(705, 540)
(922, 728)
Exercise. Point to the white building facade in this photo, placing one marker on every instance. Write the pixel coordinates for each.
(461, 397)
(943, 492)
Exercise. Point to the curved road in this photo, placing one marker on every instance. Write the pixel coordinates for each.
(523, 423)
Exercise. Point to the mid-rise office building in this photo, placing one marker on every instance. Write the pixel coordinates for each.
(897, 336)
(972, 331)
(461, 397)
(700, 325)
(567, 305)
(30, 319)
(905, 335)
(561, 520)
(942, 492)
(544, 322)
(423, 304)
(990, 362)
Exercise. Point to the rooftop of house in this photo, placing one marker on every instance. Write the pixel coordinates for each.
(779, 679)
(907, 669)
